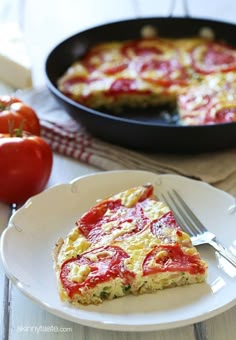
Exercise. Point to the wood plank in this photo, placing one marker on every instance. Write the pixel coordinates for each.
(222, 326)
(4, 216)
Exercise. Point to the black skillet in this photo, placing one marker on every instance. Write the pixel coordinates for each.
(150, 130)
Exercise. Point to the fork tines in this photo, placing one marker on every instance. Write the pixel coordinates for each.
(183, 214)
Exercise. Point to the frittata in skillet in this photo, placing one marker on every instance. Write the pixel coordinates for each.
(152, 71)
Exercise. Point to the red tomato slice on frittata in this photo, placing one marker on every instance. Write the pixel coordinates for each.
(171, 258)
(104, 263)
(213, 57)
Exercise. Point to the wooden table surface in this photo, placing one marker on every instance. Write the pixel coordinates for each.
(45, 23)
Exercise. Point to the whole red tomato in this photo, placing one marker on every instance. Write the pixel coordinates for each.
(25, 166)
(14, 114)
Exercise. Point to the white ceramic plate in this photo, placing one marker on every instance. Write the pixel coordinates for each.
(27, 243)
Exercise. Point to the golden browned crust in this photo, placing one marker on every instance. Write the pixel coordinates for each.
(56, 251)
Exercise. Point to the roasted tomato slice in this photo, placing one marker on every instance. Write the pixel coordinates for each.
(223, 115)
(167, 220)
(102, 55)
(194, 101)
(111, 215)
(123, 86)
(226, 115)
(163, 72)
(213, 57)
(114, 68)
(78, 80)
(171, 258)
(145, 47)
(102, 264)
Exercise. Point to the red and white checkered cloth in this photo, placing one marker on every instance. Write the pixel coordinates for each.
(67, 137)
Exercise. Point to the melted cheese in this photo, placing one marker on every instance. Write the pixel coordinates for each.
(78, 273)
(74, 245)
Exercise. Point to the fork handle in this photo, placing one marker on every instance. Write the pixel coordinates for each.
(224, 252)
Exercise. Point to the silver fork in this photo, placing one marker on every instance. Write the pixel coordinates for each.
(189, 223)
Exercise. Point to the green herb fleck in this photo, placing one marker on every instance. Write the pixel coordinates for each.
(126, 288)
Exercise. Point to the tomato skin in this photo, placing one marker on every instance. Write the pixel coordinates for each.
(90, 224)
(106, 268)
(165, 220)
(25, 167)
(212, 58)
(14, 113)
(174, 260)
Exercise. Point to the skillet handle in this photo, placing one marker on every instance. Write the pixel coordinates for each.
(184, 5)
